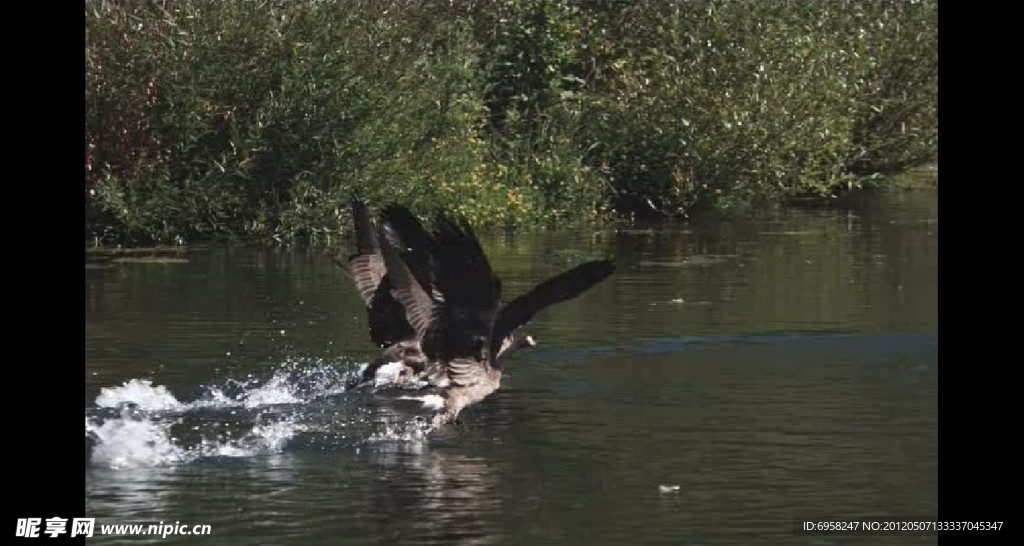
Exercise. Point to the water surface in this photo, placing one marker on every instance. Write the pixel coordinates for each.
(772, 368)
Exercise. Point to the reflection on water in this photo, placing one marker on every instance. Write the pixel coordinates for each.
(773, 367)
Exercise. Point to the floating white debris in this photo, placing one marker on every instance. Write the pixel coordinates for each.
(668, 488)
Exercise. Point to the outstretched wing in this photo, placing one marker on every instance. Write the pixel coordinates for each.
(418, 306)
(366, 265)
(465, 274)
(561, 287)
(413, 242)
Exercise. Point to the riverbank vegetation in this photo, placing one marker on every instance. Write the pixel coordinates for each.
(261, 119)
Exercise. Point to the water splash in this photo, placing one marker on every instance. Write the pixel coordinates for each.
(278, 390)
(132, 441)
(139, 392)
(262, 439)
(291, 384)
(414, 430)
(137, 441)
(139, 424)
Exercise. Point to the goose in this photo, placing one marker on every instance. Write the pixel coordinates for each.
(463, 331)
(454, 331)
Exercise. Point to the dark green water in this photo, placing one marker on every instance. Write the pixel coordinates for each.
(773, 368)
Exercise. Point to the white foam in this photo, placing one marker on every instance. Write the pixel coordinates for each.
(140, 392)
(140, 435)
(262, 439)
(213, 398)
(139, 432)
(131, 443)
(283, 387)
(271, 437)
(276, 391)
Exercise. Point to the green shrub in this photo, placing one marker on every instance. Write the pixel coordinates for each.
(247, 119)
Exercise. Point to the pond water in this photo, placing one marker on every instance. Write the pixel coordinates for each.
(732, 376)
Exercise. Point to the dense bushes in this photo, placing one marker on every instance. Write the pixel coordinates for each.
(262, 119)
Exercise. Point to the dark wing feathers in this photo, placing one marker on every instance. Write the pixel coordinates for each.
(472, 293)
(415, 244)
(368, 268)
(366, 238)
(419, 308)
(561, 287)
(440, 286)
(366, 265)
(388, 324)
(465, 276)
